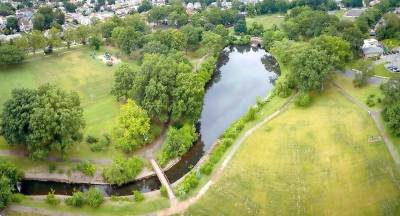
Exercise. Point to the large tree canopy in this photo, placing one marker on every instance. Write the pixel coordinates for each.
(42, 120)
(10, 54)
(391, 102)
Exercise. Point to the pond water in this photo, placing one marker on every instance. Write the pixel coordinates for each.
(243, 73)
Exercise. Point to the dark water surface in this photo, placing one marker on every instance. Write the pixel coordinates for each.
(242, 74)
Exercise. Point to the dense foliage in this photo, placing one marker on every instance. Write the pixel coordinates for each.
(123, 170)
(42, 120)
(11, 54)
(76, 200)
(390, 28)
(133, 127)
(391, 102)
(9, 176)
(178, 142)
(94, 197)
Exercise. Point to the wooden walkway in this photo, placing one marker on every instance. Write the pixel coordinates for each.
(164, 181)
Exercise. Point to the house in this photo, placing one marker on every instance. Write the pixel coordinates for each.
(372, 49)
(2, 22)
(7, 38)
(374, 2)
(25, 25)
(197, 6)
(397, 10)
(24, 13)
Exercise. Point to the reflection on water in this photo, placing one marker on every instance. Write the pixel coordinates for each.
(242, 74)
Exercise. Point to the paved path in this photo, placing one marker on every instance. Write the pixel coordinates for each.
(375, 80)
(164, 181)
(182, 206)
(376, 116)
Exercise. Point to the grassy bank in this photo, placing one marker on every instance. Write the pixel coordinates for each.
(308, 161)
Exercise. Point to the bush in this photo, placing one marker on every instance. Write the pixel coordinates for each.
(163, 191)
(123, 170)
(189, 182)
(76, 200)
(94, 197)
(370, 100)
(303, 99)
(51, 199)
(17, 198)
(91, 139)
(87, 168)
(102, 144)
(138, 196)
(251, 114)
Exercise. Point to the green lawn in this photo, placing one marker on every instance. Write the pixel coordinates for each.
(266, 20)
(74, 70)
(378, 69)
(309, 161)
(106, 209)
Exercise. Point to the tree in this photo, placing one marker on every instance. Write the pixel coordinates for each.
(95, 42)
(6, 9)
(270, 36)
(240, 26)
(54, 39)
(136, 22)
(123, 81)
(69, 37)
(10, 54)
(361, 76)
(391, 28)
(145, 6)
(82, 33)
(256, 29)
(391, 103)
(337, 49)
(23, 43)
(213, 42)
(9, 177)
(187, 97)
(172, 38)
(193, 35)
(38, 22)
(133, 127)
(123, 170)
(42, 120)
(221, 31)
(36, 40)
(59, 17)
(127, 39)
(353, 3)
(70, 7)
(155, 47)
(12, 24)
(309, 68)
(178, 142)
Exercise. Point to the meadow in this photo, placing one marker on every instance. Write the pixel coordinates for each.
(309, 161)
(266, 20)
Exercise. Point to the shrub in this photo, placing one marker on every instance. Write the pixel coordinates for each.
(76, 200)
(138, 196)
(94, 197)
(251, 114)
(370, 100)
(102, 144)
(17, 198)
(92, 139)
(123, 170)
(163, 191)
(51, 199)
(178, 142)
(303, 99)
(189, 182)
(87, 168)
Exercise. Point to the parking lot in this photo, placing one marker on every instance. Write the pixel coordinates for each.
(392, 62)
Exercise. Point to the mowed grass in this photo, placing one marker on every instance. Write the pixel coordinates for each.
(106, 209)
(266, 20)
(308, 161)
(74, 70)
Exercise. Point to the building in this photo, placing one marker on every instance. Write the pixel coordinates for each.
(354, 13)
(25, 25)
(372, 49)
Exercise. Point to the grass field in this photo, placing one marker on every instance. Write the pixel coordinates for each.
(106, 209)
(266, 20)
(74, 70)
(309, 161)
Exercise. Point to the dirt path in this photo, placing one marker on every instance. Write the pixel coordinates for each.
(183, 205)
(376, 116)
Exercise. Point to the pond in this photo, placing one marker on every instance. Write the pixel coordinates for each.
(242, 75)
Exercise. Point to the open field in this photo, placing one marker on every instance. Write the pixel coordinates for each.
(309, 161)
(266, 20)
